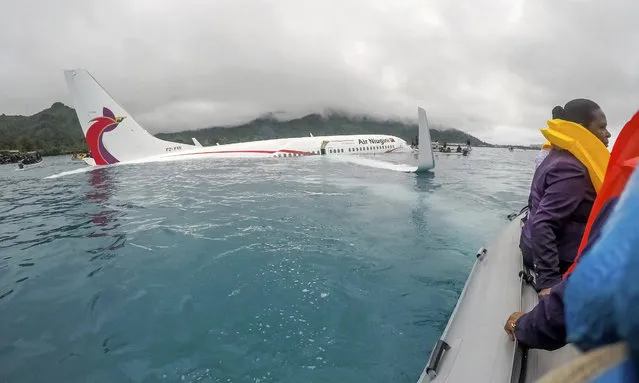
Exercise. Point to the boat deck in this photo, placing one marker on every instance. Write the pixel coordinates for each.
(474, 346)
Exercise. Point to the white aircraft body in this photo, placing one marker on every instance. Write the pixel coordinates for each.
(114, 137)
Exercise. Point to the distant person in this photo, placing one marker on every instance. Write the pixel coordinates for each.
(561, 198)
(543, 153)
(545, 148)
(459, 149)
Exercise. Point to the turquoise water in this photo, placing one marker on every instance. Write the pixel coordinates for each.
(295, 270)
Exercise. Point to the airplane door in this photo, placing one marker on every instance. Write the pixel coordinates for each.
(323, 147)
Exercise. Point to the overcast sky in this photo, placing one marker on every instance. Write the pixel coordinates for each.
(494, 68)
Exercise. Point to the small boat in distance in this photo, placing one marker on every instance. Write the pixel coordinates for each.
(30, 160)
(453, 148)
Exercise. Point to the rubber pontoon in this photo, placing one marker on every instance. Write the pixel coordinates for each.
(474, 346)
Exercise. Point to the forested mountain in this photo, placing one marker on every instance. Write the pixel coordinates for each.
(56, 130)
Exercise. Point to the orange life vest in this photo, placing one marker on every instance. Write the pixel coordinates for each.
(623, 160)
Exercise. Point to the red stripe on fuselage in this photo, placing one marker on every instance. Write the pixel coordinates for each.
(247, 151)
(230, 151)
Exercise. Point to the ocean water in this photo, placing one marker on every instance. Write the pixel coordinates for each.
(281, 270)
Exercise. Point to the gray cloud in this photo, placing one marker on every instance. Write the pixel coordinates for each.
(494, 68)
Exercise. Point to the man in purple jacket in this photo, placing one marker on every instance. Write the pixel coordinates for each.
(560, 201)
(561, 198)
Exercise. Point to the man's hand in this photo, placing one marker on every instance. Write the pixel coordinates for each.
(543, 292)
(509, 327)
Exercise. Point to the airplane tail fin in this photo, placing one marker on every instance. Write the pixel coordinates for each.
(425, 156)
(111, 133)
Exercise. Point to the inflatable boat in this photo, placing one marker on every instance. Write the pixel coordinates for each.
(474, 346)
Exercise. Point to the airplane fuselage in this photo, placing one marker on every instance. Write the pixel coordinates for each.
(290, 147)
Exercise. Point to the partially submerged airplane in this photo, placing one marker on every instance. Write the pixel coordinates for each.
(113, 136)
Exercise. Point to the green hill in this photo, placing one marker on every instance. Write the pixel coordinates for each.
(56, 130)
(333, 124)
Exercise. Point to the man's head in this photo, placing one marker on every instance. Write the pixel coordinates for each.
(587, 114)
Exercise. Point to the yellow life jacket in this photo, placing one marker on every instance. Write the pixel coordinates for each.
(584, 145)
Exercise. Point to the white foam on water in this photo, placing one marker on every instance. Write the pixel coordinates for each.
(157, 159)
(71, 172)
(378, 164)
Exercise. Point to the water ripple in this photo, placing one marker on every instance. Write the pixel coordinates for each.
(239, 270)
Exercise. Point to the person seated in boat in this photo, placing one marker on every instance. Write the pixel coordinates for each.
(544, 327)
(601, 300)
(560, 201)
(459, 149)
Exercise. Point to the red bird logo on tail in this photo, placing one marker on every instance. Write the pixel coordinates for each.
(100, 125)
